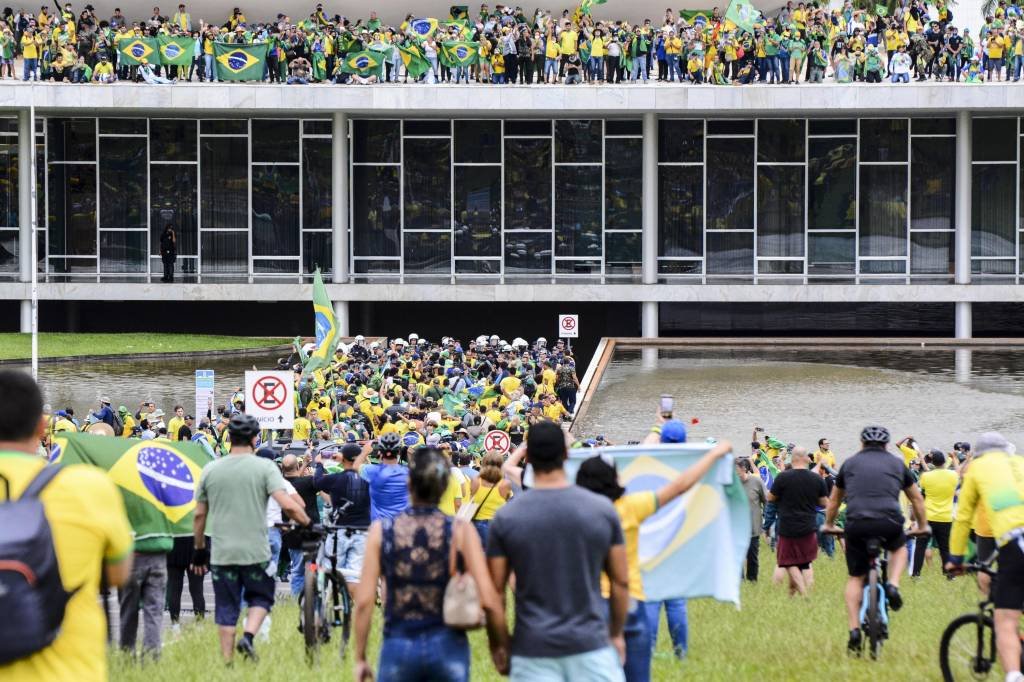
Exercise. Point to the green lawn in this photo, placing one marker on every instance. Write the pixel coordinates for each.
(18, 346)
(773, 637)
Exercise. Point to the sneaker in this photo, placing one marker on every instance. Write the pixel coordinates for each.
(246, 648)
(853, 646)
(892, 595)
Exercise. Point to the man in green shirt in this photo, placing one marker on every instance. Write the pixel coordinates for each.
(233, 493)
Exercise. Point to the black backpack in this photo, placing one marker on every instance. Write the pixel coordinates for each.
(118, 424)
(32, 596)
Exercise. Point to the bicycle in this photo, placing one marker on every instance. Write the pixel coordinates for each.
(968, 646)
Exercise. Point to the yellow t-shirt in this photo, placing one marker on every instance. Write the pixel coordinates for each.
(995, 47)
(632, 510)
(510, 385)
(90, 528)
(174, 426)
(938, 487)
(452, 492)
(826, 456)
(597, 48)
(29, 47)
(488, 500)
(909, 453)
(568, 42)
(673, 46)
(103, 69)
(551, 51)
(301, 428)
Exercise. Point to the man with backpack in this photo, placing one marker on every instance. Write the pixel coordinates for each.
(65, 525)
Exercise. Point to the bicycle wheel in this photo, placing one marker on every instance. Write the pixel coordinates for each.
(311, 621)
(968, 649)
(345, 606)
(873, 617)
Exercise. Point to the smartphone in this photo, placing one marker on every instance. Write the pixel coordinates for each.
(666, 406)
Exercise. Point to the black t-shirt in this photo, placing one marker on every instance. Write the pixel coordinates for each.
(872, 480)
(307, 491)
(798, 492)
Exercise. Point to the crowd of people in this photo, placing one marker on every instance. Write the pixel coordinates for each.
(389, 443)
(799, 42)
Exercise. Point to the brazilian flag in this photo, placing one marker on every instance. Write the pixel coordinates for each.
(458, 12)
(422, 28)
(133, 51)
(587, 5)
(240, 62)
(415, 64)
(696, 16)
(326, 327)
(157, 478)
(177, 50)
(364, 63)
(460, 52)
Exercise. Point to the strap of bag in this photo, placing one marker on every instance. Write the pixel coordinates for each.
(42, 479)
(451, 549)
(483, 501)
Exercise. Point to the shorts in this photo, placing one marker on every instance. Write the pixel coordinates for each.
(1008, 590)
(229, 583)
(859, 531)
(349, 548)
(600, 665)
(799, 552)
(985, 547)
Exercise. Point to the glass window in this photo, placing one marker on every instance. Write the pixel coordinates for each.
(680, 211)
(527, 184)
(993, 211)
(376, 267)
(933, 126)
(376, 211)
(527, 253)
(680, 140)
(781, 140)
(9, 184)
(513, 127)
(74, 266)
(123, 252)
(317, 175)
(780, 211)
(224, 126)
(832, 126)
(578, 141)
(730, 127)
(9, 251)
(883, 267)
(275, 210)
(992, 267)
(883, 212)
(225, 253)
(478, 142)
(224, 183)
(172, 140)
(123, 185)
(933, 177)
(172, 196)
(622, 253)
(275, 266)
(730, 253)
(427, 192)
(478, 211)
(318, 126)
(831, 253)
(577, 214)
(375, 141)
(71, 139)
(440, 127)
(614, 126)
(316, 252)
(623, 184)
(990, 137)
(832, 184)
(122, 126)
(478, 267)
(428, 253)
(680, 267)
(931, 253)
(883, 139)
(72, 200)
(578, 267)
(730, 177)
(275, 139)
(780, 267)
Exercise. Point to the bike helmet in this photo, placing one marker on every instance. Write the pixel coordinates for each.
(875, 434)
(243, 427)
(390, 442)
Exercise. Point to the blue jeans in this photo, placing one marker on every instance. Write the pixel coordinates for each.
(772, 62)
(673, 68)
(899, 78)
(675, 613)
(297, 571)
(550, 68)
(31, 69)
(825, 541)
(439, 654)
(639, 68)
(211, 73)
(600, 665)
(1018, 65)
(597, 68)
(783, 59)
(638, 643)
(274, 535)
(461, 73)
(482, 528)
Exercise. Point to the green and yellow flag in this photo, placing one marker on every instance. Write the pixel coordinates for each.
(460, 52)
(326, 327)
(240, 62)
(882, 10)
(176, 50)
(587, 5)
(458, 12)
(422, 28)
(133, 51)
(695, 16)
(743, 14)
(364, 63)
(157, 478)
(415, 63)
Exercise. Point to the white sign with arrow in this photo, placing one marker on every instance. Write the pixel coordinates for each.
(270, 398)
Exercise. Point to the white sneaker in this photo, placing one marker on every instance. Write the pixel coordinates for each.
(264, 634)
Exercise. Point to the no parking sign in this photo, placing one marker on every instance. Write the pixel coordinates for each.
(270, 398)
(497, 441)
(568, 326)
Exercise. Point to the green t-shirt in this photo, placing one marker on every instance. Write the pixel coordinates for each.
(236, 489)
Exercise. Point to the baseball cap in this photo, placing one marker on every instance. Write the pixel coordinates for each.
(673, 431)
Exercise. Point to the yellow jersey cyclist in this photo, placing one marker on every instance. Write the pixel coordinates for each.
(995, 482)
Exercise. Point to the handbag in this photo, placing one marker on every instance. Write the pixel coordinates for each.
(461, 607)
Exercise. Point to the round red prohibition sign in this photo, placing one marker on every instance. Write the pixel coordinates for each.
(568, 323)
(497, 441)
(269, 393)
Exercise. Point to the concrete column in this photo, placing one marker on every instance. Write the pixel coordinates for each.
(25, 326)
(649, 319)
(963, 200)
(963, 365)
(964, 322)
(650, 199)
(341, 317)
(339, 199)
(25, 180)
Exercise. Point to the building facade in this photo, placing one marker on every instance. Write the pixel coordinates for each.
(670, 199)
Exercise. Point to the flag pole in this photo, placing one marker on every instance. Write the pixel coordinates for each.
(34, 247)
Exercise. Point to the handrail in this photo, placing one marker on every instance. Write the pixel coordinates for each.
(592, 378)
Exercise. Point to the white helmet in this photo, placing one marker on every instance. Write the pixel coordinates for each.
(360, 338)
(494, 337)
(413, 336)
(541, 342)
(519, 342)
(482, 339)
(400, 342)
(507, 348)
(374, 345)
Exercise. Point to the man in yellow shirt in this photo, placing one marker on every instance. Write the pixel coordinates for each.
(824, 454)
(938, 487)
(176, 422)
(31, 47)
(301, 427)
(91, 538)
(994, 48)
(568, 45)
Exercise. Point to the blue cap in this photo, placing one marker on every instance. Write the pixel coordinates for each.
(673, 431)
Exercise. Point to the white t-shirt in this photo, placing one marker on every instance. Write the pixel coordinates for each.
(274, 509)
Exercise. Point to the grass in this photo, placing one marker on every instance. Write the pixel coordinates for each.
(773, 637)
(19, 346)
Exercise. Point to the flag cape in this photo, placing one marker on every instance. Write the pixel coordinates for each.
(695, 545)
(460, 52)
(453, 405)
(743, 14)
(413, 59)
(422, 28)
(364, 63)
(157, 478)
(458, 12)
(326, 328)
(695, 16)
(132, 51)
(177, 50)
(240, 62)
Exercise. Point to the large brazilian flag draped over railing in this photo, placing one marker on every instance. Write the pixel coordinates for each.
(694, 546)
(177, 50)
(326, 327)
(157, 478)
(131, 51)
(240, 62)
